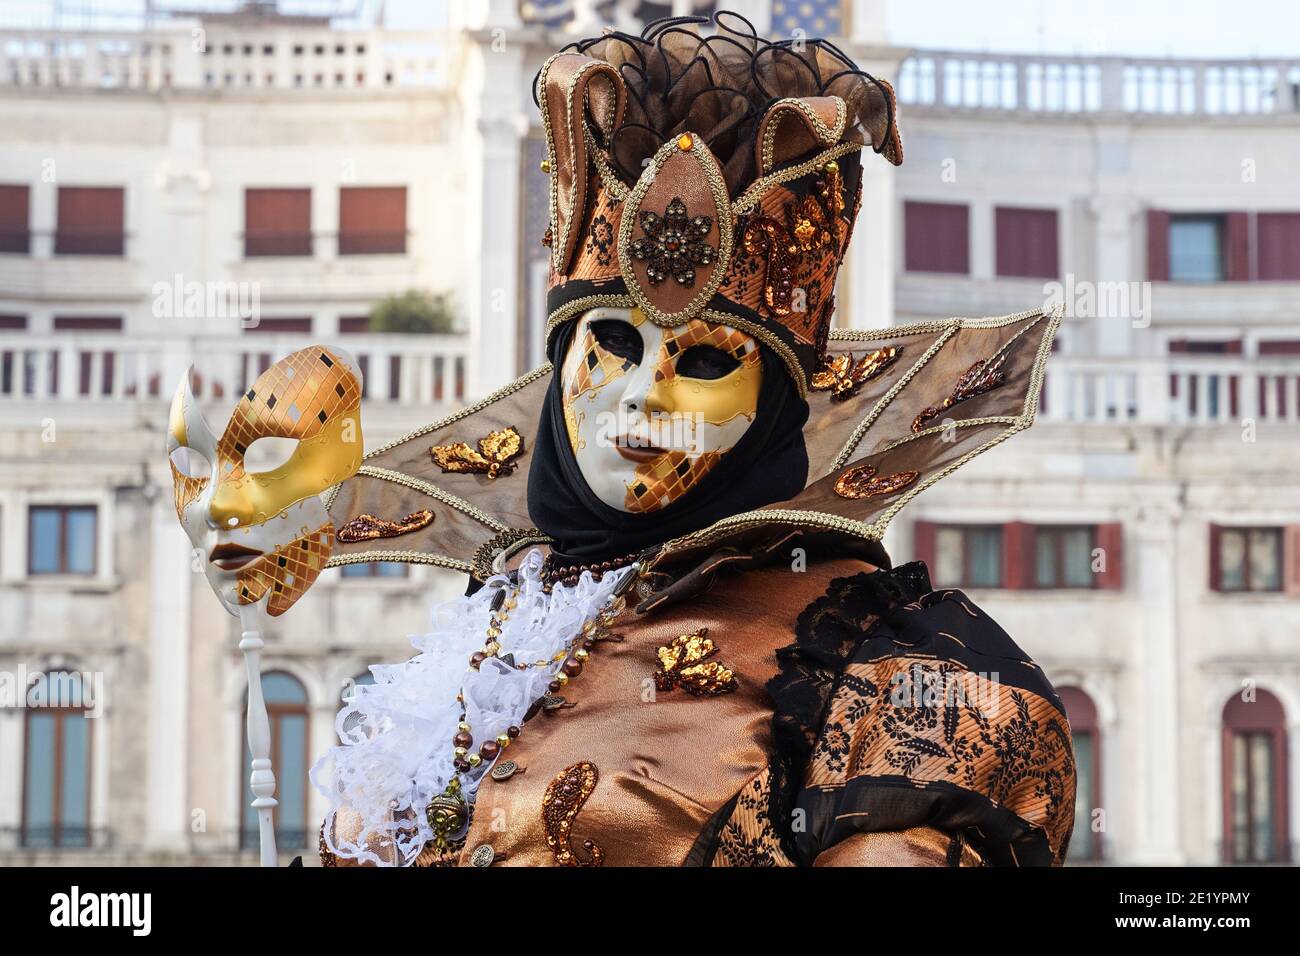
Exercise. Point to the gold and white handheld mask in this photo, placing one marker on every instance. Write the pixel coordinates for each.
(650, 411)
(250, 504)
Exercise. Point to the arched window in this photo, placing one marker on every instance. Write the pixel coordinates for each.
(1255, 825)
(286, 706)
(56, 764)
(1085, 844)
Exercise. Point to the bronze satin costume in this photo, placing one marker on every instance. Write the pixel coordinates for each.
(837, 711)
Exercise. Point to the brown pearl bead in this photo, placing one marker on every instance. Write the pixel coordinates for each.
(513, 731)
(572, 666)
(477, 658)
(462, 739)
(554, 686)
(489, 750)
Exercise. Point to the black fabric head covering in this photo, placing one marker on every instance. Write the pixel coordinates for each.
(768, 464)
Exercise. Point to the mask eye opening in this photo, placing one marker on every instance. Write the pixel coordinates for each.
(706, 362)
(619, 338)
(268, 453)
(190, 463)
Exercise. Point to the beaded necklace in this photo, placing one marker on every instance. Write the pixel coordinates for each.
(448, 813)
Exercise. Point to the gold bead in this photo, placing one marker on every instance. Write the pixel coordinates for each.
(492, 648)
(562, 678)
(545, 166)
(684, 142)
(503, 740)
(494, 631)
(460, 751)
(582, 654)
(832, 166)
(463, 726)
(474, 760)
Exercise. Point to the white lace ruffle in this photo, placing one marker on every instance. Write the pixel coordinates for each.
(396, 752)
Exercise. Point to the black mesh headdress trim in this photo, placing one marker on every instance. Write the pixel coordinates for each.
(716, 77)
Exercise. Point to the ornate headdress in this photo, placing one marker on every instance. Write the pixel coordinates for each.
(714, 176)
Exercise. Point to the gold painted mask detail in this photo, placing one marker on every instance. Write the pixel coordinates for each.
(267, 530)
(643, 428)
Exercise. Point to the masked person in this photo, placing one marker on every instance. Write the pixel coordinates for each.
(683, 643)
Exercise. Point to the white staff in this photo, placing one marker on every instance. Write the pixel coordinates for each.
(262, 781)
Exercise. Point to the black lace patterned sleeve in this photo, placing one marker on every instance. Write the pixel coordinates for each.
(901, 710)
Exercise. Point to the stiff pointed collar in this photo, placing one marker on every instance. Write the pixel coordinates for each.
(891, 412)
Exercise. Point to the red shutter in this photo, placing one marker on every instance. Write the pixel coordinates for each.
(1026, 242)
(1278, 236)
(936, 237)
(1110, 539)
(372, 220)
(923, 543)
(1157, 245)
(1291, 559)
(277, 222)
(15, 211)
(1017, 555)
(1215, 570)
(1236, 257)
(90, 221)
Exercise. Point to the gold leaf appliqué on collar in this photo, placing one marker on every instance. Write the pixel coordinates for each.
(494, 457)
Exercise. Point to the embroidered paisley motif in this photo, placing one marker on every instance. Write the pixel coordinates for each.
(862, 482)
(561, 803)
(364, 527)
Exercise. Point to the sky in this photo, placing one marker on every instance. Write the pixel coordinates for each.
(1180, 28)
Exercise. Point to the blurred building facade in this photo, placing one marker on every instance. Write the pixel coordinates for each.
(225, 189)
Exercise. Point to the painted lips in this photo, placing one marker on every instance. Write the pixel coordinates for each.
(642, 453)
(232, 557)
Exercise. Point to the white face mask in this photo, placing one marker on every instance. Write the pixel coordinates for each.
(650, 411)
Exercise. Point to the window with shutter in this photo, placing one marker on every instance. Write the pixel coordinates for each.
(15, 214)
(968, 556)
(277, 222)
(1246, 559)
(372, 220)
(1063, 557)
(1279, 245)
(1027, 242)
(1157, 245)
(90, 221)
(936, 237)
(1196, 248)
(1236, 253)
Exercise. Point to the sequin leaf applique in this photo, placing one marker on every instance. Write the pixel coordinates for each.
(683, 663)
(494, 457)
(844, 378)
